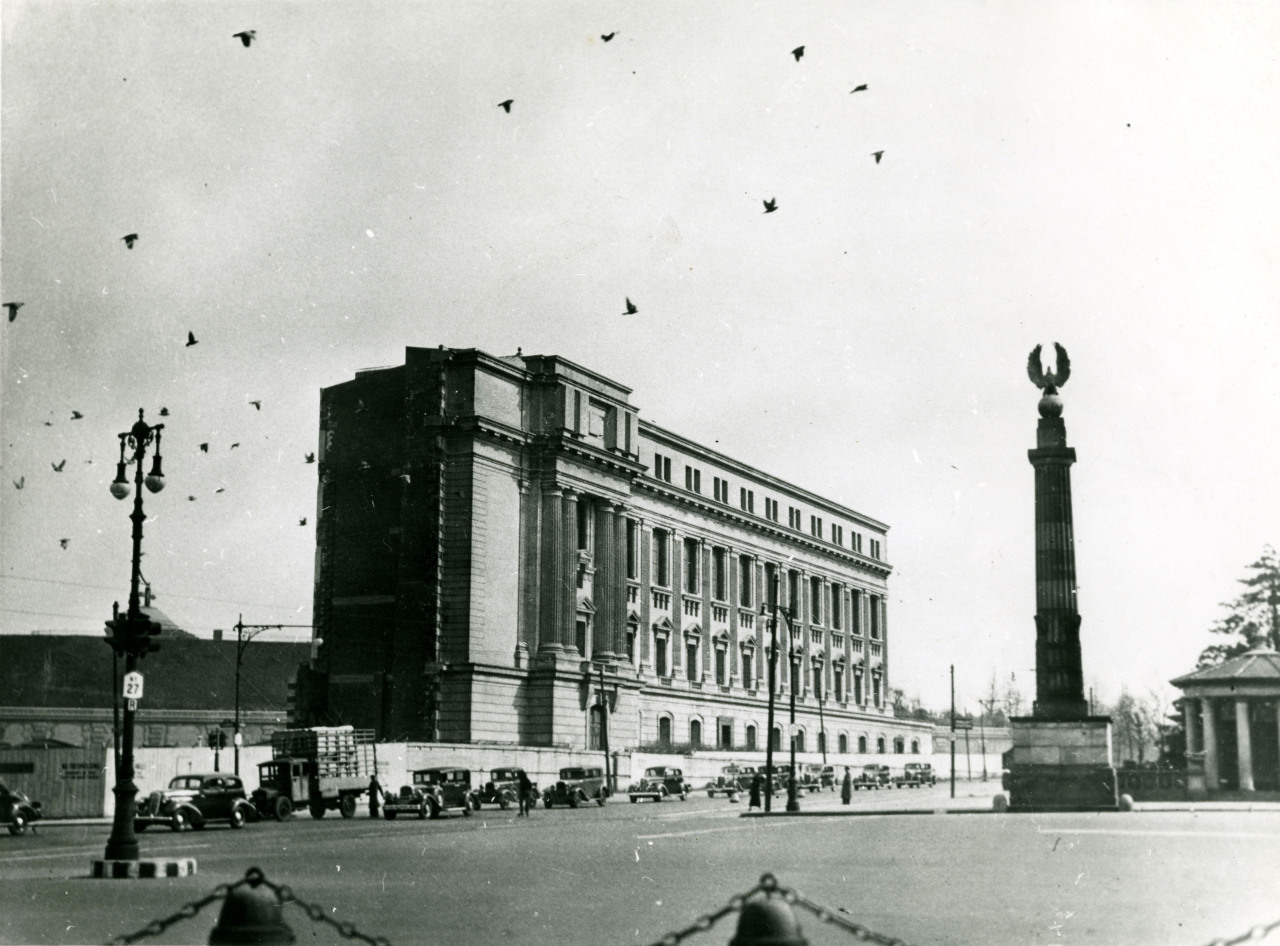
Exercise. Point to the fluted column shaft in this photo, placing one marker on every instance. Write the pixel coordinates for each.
(1059, 677)
(550, 599)
(569, 585)
(606, 584)
(618, 548)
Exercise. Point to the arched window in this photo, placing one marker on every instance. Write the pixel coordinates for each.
(800, 741)
(915, 746)
(862, 744)
(899, 745)
(843, 743)
(777, 738)
(751, 736)
(695, 733)
(822, 742)
(664, 730)
(880, 744)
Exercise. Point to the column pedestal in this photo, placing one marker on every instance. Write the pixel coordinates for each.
(1060, 765)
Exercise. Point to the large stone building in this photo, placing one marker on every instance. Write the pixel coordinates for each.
(502, 540)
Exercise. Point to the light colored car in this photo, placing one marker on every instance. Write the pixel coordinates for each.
(659, 782)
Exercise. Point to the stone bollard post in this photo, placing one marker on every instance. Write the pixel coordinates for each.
(252, 914)
(767, 921)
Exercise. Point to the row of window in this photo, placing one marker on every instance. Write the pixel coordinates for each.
(724, 738)
(823, 607)
(747, 503)
(839, 692)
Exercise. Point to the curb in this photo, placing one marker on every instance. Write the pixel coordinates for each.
(141, 870)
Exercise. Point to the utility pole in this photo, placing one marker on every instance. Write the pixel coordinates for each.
(953, 730)
(241, 643)
(604, 733)
(773, 665)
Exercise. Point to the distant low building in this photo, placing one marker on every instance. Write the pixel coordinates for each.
(57, 689)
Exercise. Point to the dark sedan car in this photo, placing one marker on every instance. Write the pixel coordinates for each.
(17, 811)
(196, 800)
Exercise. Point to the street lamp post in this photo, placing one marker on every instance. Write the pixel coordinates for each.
(241, 643)
(773, 664)
(793, 799)
(132, 634)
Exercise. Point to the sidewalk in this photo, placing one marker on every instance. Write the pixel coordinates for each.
(970, 799)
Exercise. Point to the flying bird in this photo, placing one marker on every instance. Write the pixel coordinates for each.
(204, 448)
(877, 155)
(771, 205)
(405, 477)
(191, 339)
(236, 444)
(631, 308)
(506, 106)
(257, 405)
(220, 489)
(48, 423)
(164, 412)
(246, 37)
(129, 240)
(861, 88)
(798, 52)
(302, 521)
(76, 415)
(311, 458)
(20, 482)
(13, 308)
(608, 36)
(64, 542)
(191, 499)
(57, 467)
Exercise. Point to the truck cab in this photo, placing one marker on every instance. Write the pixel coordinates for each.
(279, 782)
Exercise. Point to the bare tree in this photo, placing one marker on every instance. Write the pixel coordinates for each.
(1012, 698)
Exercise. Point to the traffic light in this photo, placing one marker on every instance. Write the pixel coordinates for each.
(217, 739)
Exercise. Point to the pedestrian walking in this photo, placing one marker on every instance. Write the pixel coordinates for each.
(846, 787)
(375, 793)
(753, 798)
(526, 793)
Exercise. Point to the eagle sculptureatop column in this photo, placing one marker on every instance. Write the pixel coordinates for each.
(1059, 678)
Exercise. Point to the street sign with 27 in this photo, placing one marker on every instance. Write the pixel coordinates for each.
(132, 686)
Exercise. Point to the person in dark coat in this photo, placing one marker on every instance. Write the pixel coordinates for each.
(753, 799)
(846, 787)
(526, 793)
(375, 793)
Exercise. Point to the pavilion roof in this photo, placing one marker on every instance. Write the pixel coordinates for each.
(1257, 665)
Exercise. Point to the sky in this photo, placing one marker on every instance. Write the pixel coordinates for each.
(1096, 174)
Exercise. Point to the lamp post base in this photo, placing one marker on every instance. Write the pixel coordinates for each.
(123, 843)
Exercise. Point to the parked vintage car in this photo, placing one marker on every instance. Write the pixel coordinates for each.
(503, 788)
(17, 811)
(196, 800)
(659, 782)
(729, 781)
(916, 775)
(873, 776)
(433, 792)
(577, 786)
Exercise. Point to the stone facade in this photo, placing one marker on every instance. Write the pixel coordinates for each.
(502, 540)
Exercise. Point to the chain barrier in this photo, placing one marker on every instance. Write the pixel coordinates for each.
(253, 877)
(769, 886)
(1257, 933)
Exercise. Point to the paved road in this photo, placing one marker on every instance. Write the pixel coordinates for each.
(628, 874)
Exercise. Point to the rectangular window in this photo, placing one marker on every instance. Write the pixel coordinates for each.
(836, 594)
(660, 656)
(793, 517)
(691, 661)
(771, 509)
(751, 737)
(631, 644)
(793, 593)
(875, 548)
(837, 534)
(771, 584)
(815, 600)
(720, 667)
(633, 549)
(662, 558)
(692, 479)
(746, 568)
(815, 526)
(875, 618)
(857, 688)
(661, 468)
(747, 499)
(720, 489)
(691, 562)
(719, 574)
(855, 542)
(838, 680)
(746, 671)
(580, 638)
(584, 526)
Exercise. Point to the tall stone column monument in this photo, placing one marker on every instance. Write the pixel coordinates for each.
(1061, 756)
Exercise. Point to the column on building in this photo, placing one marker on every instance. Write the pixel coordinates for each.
(1188, 726)
(604, 585)
(1211, 776)
(551, 601)
(732, 579)
(706, 647)
(675, 646)
(618, 601)
(644, 572)
(568, 588)
(1244, 746)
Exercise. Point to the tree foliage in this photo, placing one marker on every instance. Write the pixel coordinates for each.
(1253, 616)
